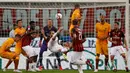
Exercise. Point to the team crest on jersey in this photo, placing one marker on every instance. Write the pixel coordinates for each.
(119, 33)
(113, 33)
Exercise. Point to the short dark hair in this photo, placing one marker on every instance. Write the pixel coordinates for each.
(117, 23)
(31, 22)
(18, 21)
(75, 22)
(17, 35)
(77, 6)
(51, 20)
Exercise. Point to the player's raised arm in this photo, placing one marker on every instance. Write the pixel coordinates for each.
(43, 33)
(59, 30)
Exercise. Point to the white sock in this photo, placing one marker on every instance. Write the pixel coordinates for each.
(64, 49)
(80, 68)
(34, 65)
(30, 65)
(113, 64)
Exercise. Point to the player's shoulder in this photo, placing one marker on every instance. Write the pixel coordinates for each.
(98, 23)
(10, 40)
(16, 29)
(107, 24)
(23, 28)
(120, 31)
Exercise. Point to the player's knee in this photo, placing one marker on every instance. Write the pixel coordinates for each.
(17, 58)
(112, 57)
(97, 56)
(123, 55)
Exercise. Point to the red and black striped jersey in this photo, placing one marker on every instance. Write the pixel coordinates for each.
(77, 41)
(117, 36)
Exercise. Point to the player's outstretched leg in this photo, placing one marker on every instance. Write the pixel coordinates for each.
(80, 68)
(125, 60)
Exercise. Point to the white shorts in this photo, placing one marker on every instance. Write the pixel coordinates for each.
(116, 49)
(76, 56)
(55, 48)
(30, 51)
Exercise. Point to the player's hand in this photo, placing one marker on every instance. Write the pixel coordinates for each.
(42, 31)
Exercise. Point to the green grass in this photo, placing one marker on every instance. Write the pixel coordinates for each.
(64, 71)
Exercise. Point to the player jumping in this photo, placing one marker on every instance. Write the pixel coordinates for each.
(53, 45)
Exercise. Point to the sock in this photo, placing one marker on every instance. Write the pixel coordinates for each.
(125, 63)
(30, 65)
(59, 62)
(80, 68)
(40, 60)
(34, 65)
(113, 64)
(58, 58)
(97, 60)
(106, 61)
(16, 62)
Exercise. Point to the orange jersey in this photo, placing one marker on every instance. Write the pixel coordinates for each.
(20, 31)
(6, 45)
(75, 15)
(102, 30)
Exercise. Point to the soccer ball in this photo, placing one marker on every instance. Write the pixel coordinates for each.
(58, 16)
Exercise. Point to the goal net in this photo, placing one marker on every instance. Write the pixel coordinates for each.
(39, 12)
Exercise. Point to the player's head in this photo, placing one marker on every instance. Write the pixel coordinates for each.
(75, 23)
(102, 18)
(77, 6)
(52, 33)
(17, 37)
(19, 23)
(116, 25)
(49, 22)
(32, 25)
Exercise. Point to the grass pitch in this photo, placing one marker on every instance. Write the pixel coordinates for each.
(65, 71)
